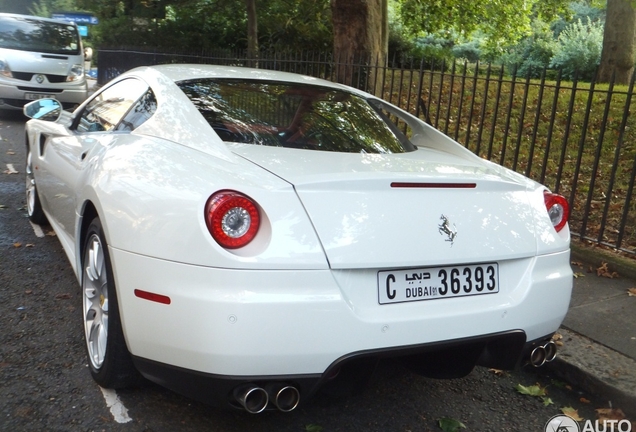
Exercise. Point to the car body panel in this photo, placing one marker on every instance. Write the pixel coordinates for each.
(298, 322)
(354, 208)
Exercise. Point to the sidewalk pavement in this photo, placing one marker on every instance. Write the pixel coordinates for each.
(599, 331)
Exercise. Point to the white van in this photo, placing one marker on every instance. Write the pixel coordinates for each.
(40, 58)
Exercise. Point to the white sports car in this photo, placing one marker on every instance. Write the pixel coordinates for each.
(248, 237)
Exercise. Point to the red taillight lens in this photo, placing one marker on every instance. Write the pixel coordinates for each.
(232, 219)
(558, 209)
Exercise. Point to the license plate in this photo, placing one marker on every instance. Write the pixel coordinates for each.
(399, 286)
(36, 96)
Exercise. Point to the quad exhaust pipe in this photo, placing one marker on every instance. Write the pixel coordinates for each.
(255, 399)
(286, 399)
(543, 354)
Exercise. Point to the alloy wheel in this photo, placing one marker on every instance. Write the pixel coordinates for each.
(95, 302)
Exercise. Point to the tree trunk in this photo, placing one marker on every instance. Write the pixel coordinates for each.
(360, 32)
(252, 33)
(619, 42)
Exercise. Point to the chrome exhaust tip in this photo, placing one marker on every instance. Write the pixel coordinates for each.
(253, 399)
(538, 356)
(287, 398)
(550, 351)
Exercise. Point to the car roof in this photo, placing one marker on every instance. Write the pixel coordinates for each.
(33, 17)
(185, 72)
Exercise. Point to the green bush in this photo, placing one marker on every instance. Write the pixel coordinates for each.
(532, 54)
(434, 50)
(470, 51)
(578, 49)
(580, 10)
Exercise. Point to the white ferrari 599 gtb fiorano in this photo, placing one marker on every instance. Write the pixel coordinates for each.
(248, 237)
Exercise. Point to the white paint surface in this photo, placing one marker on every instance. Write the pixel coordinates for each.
(37, 229)
(117, 409)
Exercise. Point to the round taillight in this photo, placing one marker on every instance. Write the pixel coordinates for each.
(232, 219)
(558, 209)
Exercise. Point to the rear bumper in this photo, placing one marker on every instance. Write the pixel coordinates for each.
(221, 390)
(237, 323)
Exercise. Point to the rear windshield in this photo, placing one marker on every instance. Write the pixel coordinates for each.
(294, 115)
(31, 34)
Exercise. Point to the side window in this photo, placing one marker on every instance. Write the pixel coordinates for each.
(140, 112)
(400, 127)
(107, 108)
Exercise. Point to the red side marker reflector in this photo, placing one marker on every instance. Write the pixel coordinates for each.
(152, 297)
(435, 185)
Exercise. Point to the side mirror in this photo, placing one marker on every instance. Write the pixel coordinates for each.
(43, 109)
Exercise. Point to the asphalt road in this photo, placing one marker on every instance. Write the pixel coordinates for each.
(45, 384)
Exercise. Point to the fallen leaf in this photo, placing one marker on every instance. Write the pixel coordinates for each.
(29, 245)
(557, 337)
(547, 401)
(17, 245)
(11, 152)
(497, 372)
(450, 425)
(557, 383)
(577, 263)
(631, 292)
(51, 233)
(610, 414)
(571, 412)
(313, 428)
(585, 401)
(64, 296)
(535, 390)
(2, 206)
(604, 271)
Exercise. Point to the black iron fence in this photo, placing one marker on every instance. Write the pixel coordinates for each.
(579, 139)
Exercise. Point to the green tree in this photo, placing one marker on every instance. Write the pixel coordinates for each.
(500, 22)
(252, 29)
(360, 33)
(45, 8)
(619, 41)
(13, 6)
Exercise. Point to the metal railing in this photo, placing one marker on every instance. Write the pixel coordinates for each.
(579, 139)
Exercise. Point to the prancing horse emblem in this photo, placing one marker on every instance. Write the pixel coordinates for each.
(445, 228)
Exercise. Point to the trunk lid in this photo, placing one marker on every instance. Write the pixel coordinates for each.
(420, 208)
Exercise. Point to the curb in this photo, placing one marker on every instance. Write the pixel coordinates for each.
(596, 256)
(598, 370)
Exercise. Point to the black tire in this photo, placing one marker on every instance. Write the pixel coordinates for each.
(33, 205)
(109, 360)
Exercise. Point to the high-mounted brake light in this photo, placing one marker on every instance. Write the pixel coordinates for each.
(558, 209)
(232, 218)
